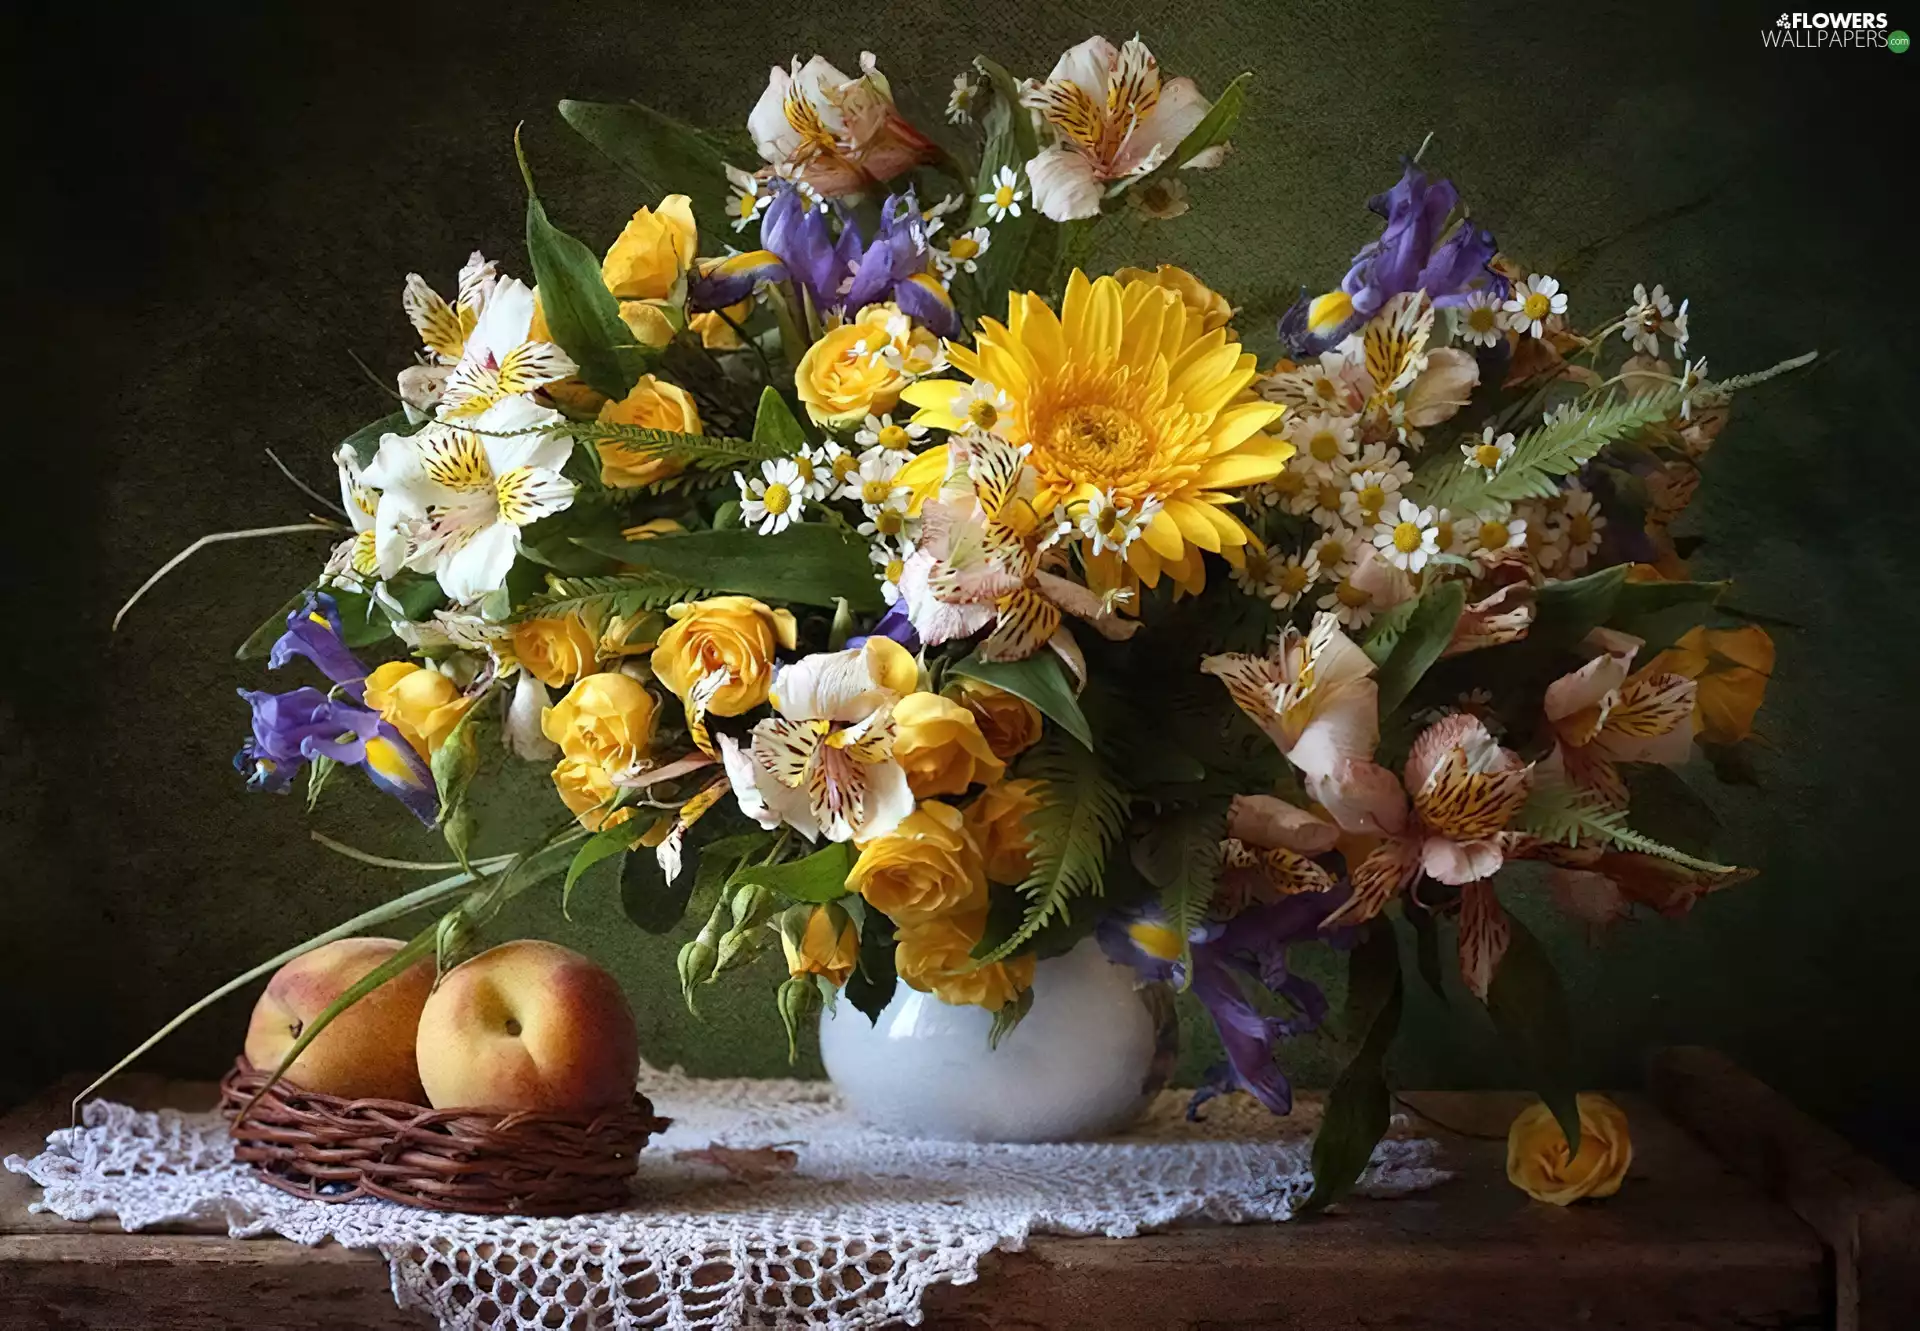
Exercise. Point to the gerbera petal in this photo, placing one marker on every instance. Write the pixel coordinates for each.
(1193, 525)
(1163, 536)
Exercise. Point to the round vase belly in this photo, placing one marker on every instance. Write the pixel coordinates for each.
(1085, 1060)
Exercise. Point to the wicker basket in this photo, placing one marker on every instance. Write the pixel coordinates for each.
(329, 1149)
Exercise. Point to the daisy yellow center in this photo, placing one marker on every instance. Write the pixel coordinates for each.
(1326, 390)
(1406, 537)
(1443, 536)
(1351, 596)
(778, 499)
(1537, 306)
(1003, 196)
(1486, 455)
(1480, 318)
(1259, 567)
(888, 522)
(1330, 552)
(845, 466)
(893, 438)
(1493, 535)
(963, 247)
(1111, 524)
(1328, 495)
(1290, 483)
(1370, 498)
(1580, 528)
(895, 567)
(875, 491)
(1292, 579)
(746, 204)
(983, 413)
(805, 464)
(1324, 446)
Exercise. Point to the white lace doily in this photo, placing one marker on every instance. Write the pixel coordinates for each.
(852, 1237)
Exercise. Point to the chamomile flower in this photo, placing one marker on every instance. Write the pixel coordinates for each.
(1546, 535)
(962, 254)
(1336, 552)
(1111, 526)
(1256, 566)
(1003, 200)
(1351, 605)
(773, 500)
(1649, 311)
(1532, 303)
(839, 462)
(1477, 323)
(961, 101)
(934, 218)
(1693, 377)
(889, 522)
(1369, 494)
(1581, 523)
(747, 202)
(1290, 579)
(1326, 495)
(871, 485)
(896, 441)
(1676, 328)
(1490, 454)
(1406, 536)
(891, 564)
(1284, 491)
(816, 473)
(1161, 198)
(1448, 536)
(983, 405)
(1322, 438)
(1494, 532)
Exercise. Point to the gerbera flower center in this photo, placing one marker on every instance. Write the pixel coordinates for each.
(1097, 443)
(1406, 537)
(894, 438)
(1324, 446)
(778, 498)
(1537, 306)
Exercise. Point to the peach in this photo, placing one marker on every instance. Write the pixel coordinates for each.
(528, 1025)
(364, 1053)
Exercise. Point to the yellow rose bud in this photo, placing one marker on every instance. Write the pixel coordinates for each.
(998, 822)
(940, 745)
(843, 379)
(651, 528)
(650, 321)
(606, 717)
(1214, 310)
(554, 651)
(926, 866)
(1732, 666)
(736, 632)
(653, 251)
(586, 788)
(656, 405)
(935, 956)
(422, 704)
(1010, 723)
(829, 946)
(1537, 1162)
(716, 334)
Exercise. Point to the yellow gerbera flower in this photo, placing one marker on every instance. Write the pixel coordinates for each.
(1125, 394)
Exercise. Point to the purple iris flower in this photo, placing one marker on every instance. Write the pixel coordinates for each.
(795, 228)
(1253, 943)
(895, 624)
(291, 729)
(1413, 253)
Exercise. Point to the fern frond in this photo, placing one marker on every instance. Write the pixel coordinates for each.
(1565, 814)
(1544, 453)
(1181, 857)
(615, 594)
(698, 452)
(1080, 816)
(1718, 388)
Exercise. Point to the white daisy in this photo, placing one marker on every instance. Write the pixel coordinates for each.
(1546, 535)
(935, 217)
(1351, 605)
(888, 522)
(1650, 309)
(1332, 383)
(891, 564)
(1532, 303)
(1256, 566)
(1494, 532)
(1448, 536)
(897, 440)
(1693, 377)
(982, 404)
(1581, 523)
(960, 102)
(1290, 579)
(1322, 438)
(962, 254)
(1003, 200)
(1369, 494)
(748, 202)
(1335, 552)
(1326, 495)
(871, 484)
(1477, 323)
(1490, 454)
(840, 462)
(773, 500)
(1406, 536)
(1676, 328)
(1285, 491)
(1112, 526)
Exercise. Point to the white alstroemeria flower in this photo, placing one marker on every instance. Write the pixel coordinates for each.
(962, 254)
(896, 441)
(1491, 453)
(1407, 537)
(1114, 119)
(966, 91)
(1314, 695)
(453, 502)
(1477, 323)
(773, 500)
(355, 562)
(444, 328)
(824, 765)
(1532, 303)
(1110, 525)
(500, 360)
(748, 200)
(522, 732)
(1003, 200)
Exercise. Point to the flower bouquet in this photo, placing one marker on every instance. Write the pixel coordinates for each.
(875, 580)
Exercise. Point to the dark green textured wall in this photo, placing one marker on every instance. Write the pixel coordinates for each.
(230, 201)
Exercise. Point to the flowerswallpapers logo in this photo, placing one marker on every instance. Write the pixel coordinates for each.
(1832, 30)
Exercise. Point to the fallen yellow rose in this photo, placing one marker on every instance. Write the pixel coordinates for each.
(935, 956)
(927, 866)
(939, 744)
(1537, 1162)
(554, 651)
(655, 405)
(422, 704)
(736, 633)
(607, 718)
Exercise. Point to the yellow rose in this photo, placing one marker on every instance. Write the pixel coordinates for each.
(422, 704)
(1732, 666)
(656, 405)
(554, 651)
(606, 717)
(829, 946)
(926, 866)
(940, 745)
(1214, 309)
(843, 380)
(1010, 723)
(653, 251)
(737, 632)
(935, 956)
(716, 334)
(650, 321)
(1537, 1161)
(586, 788)
(998, 822)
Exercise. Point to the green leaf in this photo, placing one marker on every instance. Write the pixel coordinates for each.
(776, 430)
(1426, 948)
(1529, 1009)
(646, 896)
(1360, 1106)
(1180, 855)
(580, 312)
(809, 562)
(1566, 612)
(698, 452)
(1385, 633)
(365, 441)
(665, 155)
(1429, 628)
(870, 987)
(1040, 680)
(820, 877)
(1080, 816)
(318, 773)
(1010, 142)
(602, 845)
(1009, 1015)
(1215, 127)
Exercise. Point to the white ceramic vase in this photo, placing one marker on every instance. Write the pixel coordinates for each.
(1085, 1061)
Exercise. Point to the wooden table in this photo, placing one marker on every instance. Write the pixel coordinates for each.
(1739, 1213)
